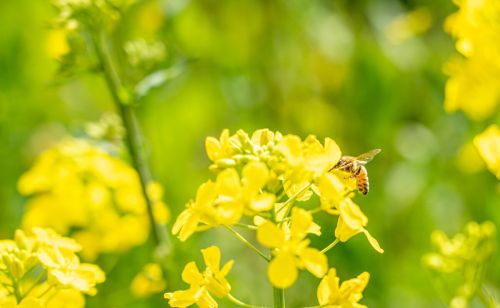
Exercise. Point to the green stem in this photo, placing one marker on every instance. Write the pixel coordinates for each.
(17, 292)
(292, 198)
(37, 280)
(330, 246)
(485, 299)
(240, 303)
(246, 226)
(279, 298)
(134, 139)
(246, 242)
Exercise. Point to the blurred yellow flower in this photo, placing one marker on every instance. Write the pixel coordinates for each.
(409, 25)
(332, 294)
(149, 281)
(202, 285)
(41, 269)
(488, 145)
(474, 77)
(91, 192)
(57, 44)
(161, 211)
(463, 256)
(291, 249)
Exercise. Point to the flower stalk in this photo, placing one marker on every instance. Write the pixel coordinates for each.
(246, 242)
(133, 135)
(279, 297)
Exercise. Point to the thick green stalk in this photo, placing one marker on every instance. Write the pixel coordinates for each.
(279, 298)
(134, 139)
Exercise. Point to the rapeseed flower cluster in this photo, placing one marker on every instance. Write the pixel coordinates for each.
(41, 269)
(149, 281)
(97, 198)
(203, 284)
(261, 181)
(96, 12)
(474, 75)
(466, 254)
(332, 294)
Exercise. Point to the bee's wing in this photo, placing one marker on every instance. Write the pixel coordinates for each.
(366, 157)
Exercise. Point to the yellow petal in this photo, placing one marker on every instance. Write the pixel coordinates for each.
(191, 274)
(352, 214)
(211, 255)
(212, 147)
(343, 232)
(488, 145)
(373, 241)
(282, 271)
(206, 194)
(328, 288)
(186, 224)
(184, 298)
(301, 223)
(332, 151)
(255, 174)
(228, 182)
(269, 235)
(262, 202)
(314, 261)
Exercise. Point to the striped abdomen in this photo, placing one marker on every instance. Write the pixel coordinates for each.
(362, 180)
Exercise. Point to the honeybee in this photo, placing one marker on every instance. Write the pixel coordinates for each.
(355, 166)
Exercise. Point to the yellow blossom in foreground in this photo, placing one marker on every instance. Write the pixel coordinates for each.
(291, 249)
(224, 201)
(306, 160)
(335, 199)
(332, 294)
(149, 281)
(91, 192)
(351, 222)
(488, 145)
(41, 269)
(202, 285)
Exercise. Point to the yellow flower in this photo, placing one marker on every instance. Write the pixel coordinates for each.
(59, 273)
(473, 246)
(351, 222)
(222, 148)
(332, 294)
(187, 222)
(202, 285)
(64, 269)
(291, 249)
(488, 145)
(332, 191)
(306, 161)
(149, 281)
(475, 75)
(161, 211)
(226, 200)
(91, 191)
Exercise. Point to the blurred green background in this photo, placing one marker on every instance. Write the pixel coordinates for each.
(365, 73)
